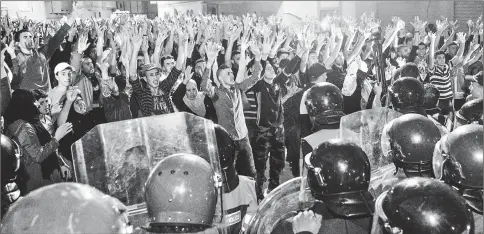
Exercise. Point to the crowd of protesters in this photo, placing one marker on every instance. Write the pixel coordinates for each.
(248, 74)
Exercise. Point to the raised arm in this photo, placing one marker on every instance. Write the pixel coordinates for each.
(212, 51)
(162, 35)
(461, 37)
(136, 41)
(432, 50)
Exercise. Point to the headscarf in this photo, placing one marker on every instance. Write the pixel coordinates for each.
(196, 105)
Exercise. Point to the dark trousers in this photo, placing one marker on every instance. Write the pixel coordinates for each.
(244, 161)
(268, 141)
(292, 141)
(458, 103)
(445, 106)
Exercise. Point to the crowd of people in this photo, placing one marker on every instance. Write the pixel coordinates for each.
(267, 85)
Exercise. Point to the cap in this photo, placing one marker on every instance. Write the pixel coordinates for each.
(351, 204)
(149, 67)
(453, 43)
(316, 70)
(61, 67)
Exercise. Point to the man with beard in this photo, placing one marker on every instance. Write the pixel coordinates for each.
(87, 80)
(30, 66)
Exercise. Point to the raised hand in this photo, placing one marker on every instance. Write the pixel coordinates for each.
(82, 44)
(442, 25)
(307, 221)
(62, 131)
(453, 25)
(145, 44)
(461, 37)
(212, 50)
(188, 74)
(254, 48)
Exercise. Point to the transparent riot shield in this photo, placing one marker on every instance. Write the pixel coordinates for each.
(117, 157)
(365, 129)
(280, 204)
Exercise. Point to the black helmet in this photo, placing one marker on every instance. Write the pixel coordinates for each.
(324, 102)
(423, 205)
(10, 159)
(409, 142)
(339, 175)
(226, 152)
(458, 159)
(181, 194)
(470, 112)
(431, 96)
(407, 95)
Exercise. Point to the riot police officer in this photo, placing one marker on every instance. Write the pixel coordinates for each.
(66, 208)
(324, 104)
(470, 112)
(457, 160)
(10, 165)
(239, 196)
(407, 96)
(338, 177)
(181, 195)
(408, 141)
(421, 205)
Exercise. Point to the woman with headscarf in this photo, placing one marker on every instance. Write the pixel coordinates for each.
(40, 160)
(187, 98)
(75, 111)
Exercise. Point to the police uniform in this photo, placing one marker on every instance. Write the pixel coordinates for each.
(237, 204)
(458, 161)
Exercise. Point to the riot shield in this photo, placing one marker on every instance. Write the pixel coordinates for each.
(365, 129)
(117, 157)
(280, 204)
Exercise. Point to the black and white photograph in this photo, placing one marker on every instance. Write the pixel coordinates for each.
(242, 117)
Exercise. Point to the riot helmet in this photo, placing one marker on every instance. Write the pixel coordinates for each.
(422, 205)
(407, 95)
(339, 175)
(67, 208)
(181, 195)
(226, 152)
(409, 141)
(431, 96)
(324, 102)
(11, 154)
(457, 161)
(470, 112)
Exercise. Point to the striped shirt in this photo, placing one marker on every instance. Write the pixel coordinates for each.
(440, 77)
(159, 103)
(251, 113)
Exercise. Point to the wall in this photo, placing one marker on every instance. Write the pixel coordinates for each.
(168, 7)
(310, 8)
(426, 10)
(262, 8)
(32, 9)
